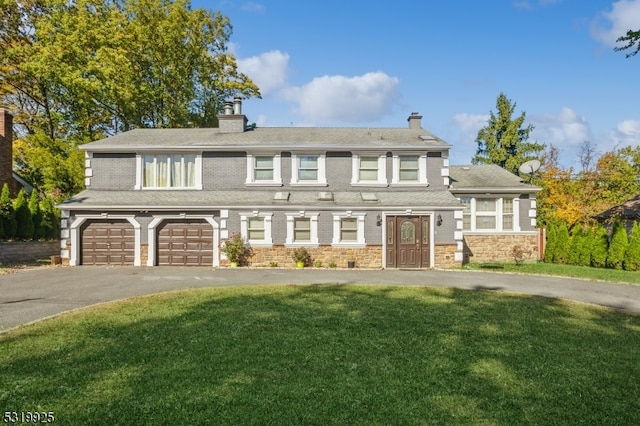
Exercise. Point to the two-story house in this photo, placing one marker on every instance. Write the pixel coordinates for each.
(380, 197)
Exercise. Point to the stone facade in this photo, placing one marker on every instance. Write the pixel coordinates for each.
(498, 247)
(445, 256)
(369, 257)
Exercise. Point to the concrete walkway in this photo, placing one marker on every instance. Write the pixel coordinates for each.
(32, 295)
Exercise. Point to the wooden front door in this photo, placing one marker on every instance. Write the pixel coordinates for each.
(408, 242)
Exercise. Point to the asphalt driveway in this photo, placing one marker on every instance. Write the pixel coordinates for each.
(32, 295)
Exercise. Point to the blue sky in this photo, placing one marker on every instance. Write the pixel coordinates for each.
(371, 63)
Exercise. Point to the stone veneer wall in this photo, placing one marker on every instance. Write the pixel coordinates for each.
(493, 248)
(445, 256)
(27, 251)
(369, 257)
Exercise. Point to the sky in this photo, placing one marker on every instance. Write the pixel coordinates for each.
(371, 63)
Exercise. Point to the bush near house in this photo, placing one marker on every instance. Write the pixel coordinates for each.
(27, 218)
(632, 255)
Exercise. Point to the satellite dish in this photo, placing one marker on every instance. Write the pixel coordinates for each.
(529, 167)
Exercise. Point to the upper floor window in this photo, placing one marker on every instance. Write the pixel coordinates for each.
(489, 214)
(169, 171)
(410, 169)
(368, 170)
(308, 169)
(263, 170)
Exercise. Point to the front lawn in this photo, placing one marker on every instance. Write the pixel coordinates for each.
(328, 355)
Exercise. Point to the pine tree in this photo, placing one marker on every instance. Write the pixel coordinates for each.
(7, 213)
(551, 243)
(617, 246)
(503, 141)
(585, 247)
(600, 246)
(50, 224)
(574, 250)
(24, 220)
(36, 214)
(632, 255)
(563, 244)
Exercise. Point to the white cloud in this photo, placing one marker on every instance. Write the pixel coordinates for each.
(253, 7)
(364, 98)
(268, 70)
(626, 133)
(623, 16)
(564, 128)
(469, 124)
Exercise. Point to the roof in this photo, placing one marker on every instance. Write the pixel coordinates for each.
(487, 178)
(630, 209)
(272, 138)
(196, 200)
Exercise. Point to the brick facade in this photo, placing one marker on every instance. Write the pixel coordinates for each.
(445, 256)
(369, 257)
(6, 151)
(497, 247)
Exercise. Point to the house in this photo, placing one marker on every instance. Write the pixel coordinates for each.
(627, 212)
(382, 198)
(7, 174)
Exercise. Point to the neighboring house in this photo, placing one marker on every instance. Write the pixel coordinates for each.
(7, 174)
(627, 212)
(380, 197)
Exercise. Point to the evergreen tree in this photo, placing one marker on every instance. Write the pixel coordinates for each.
(503, 141)
(632, 255)
(24, 220)
(563, 244)
(617, 246)
(7, 213)
(585, 247)
(36, 214)
(600, 246)
(577, 239)
(551, 243)
(50, 220)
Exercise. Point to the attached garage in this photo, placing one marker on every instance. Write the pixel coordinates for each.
(185, 242)
(107, 242)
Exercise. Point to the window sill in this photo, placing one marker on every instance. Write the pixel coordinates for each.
(410, 184)
(260, 244)
(264, 184)
(349, 245)
(309, 184)
(309, 244)
(176, 188)
(371, 184)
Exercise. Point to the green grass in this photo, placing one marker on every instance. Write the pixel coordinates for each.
(328, 355)
(600, 274)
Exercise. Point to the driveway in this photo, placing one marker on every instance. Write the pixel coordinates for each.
(32, 295)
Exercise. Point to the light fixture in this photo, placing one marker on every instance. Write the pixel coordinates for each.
(379, 220)
(439, 220)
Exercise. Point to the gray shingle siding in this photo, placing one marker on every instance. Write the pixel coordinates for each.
(113, 171)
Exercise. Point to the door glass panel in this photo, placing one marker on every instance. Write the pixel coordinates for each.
(425, 232)
(407, 232)
(390, 232)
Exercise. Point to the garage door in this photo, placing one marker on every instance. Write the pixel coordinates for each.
(108, 242)
(185, 242)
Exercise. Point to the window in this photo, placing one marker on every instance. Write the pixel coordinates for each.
(410, 169)
(308, 169)
(169, 171)
(369, 169)
(302, 229)
(255, 227)
(489, 214)
(263, 170)
(348, 229)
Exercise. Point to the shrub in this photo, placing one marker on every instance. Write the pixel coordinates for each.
(317, 264)
(333, 264)
(519, 254)
(632, 255)
(7, 213)
(599, 247)
(236, 249)
(301, 254)
(50, 224)
(36, 214)
(550, 247)
(617, 246)
(24, 221)
(563, 244)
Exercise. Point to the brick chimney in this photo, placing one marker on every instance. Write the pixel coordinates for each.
(6, 151)
(415, 121)
(233, 120)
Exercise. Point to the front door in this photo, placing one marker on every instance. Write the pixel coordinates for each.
(408, 243)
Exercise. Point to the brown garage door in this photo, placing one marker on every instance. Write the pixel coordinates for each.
(108, 242)
(185, 242)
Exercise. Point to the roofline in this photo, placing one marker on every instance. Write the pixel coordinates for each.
(489, 190)
(307, 207)
(254, 148)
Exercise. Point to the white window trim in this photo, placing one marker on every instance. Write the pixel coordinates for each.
(244, 228)
(382, 170)
(337, 217)
(277, 170)
(322, 173)
(422, 169)
(140, 172)
(291, 216)
(498, 214)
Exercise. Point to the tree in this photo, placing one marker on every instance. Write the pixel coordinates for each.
(632, 38)
(600, 246)
(24, 221)
(563, 244)
(504, 141)
(36, 214)
(632, 255)
(7, 213)
(617, 246)
(76, 71)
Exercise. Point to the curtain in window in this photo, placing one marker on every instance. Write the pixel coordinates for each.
(176, 171)
(162, 171)
(190, 172)
(148, 177)
(507, 214)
